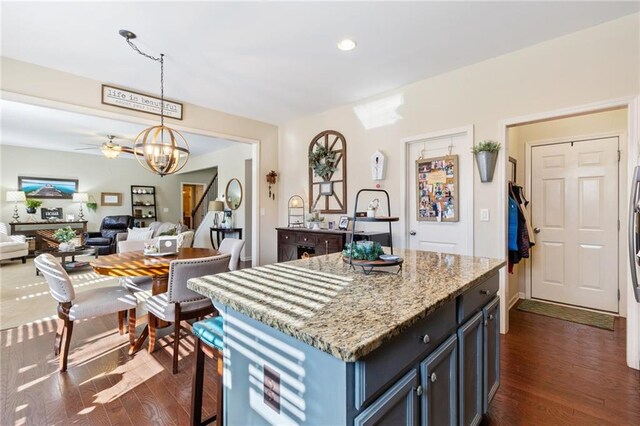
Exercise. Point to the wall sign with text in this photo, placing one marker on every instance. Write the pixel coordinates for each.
(139, 102)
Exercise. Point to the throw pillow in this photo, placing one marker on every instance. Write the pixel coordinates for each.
(139, 234)
(170, 233)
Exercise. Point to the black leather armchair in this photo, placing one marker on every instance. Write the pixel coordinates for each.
(104, 241)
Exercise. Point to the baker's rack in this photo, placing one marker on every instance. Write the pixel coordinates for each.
(368, 265)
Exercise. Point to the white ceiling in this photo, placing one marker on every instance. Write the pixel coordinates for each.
(44, 128)
(277, 61)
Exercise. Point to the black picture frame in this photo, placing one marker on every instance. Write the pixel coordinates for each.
(47, 188)
(54, 213)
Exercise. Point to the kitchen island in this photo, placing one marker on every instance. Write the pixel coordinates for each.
(313, 341)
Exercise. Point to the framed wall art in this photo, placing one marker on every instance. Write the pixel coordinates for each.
(437, 189)
(37, 187)
(328, 173)
(111, 198)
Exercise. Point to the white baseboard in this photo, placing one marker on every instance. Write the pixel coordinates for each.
(245, 258)
(515, 299)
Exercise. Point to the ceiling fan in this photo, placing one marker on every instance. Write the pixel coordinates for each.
(110, 149)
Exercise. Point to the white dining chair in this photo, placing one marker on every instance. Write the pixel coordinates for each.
(180, 303)
(234, 247)
(90, 303)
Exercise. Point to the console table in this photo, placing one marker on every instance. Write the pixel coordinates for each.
(293, 243)
(223, 232)
(43, 231)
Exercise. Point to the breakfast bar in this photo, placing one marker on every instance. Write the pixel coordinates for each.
(315, 341)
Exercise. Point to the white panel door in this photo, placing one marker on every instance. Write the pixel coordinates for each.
(445, 237)
(574, 205)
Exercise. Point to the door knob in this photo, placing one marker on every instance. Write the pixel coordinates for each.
(536, 230)
(412, 232)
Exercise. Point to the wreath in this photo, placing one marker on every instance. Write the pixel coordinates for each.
(322, 161)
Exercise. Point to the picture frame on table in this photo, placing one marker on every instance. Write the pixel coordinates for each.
(343, 224)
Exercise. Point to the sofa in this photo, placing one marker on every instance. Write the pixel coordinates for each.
(185, 237)
(104, 241)
(13, 247)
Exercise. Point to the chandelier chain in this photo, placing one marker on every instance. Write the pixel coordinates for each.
(161, 60)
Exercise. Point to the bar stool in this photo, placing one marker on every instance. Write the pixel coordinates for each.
(208, 334)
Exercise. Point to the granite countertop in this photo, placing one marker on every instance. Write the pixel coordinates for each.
(323, 302)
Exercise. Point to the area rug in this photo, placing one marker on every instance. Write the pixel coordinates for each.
(25, 298)
(566, 313)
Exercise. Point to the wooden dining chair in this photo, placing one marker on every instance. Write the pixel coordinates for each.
(179, 303)
(234, 247)
(96, 302)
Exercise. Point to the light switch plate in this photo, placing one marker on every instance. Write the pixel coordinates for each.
(484, 215)
(165, 210)
(263, 211)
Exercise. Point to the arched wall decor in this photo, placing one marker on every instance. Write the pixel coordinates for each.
(328, 173)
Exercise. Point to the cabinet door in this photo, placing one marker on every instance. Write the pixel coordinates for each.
(396, 407)
(470, 368)
(287, 252)
(491, 313)
(440, 385)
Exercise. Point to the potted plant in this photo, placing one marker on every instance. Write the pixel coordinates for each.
(32, 205)
(486, 153)
(315, 219)
(65, 235)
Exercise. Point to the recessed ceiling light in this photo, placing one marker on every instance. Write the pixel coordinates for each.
(346, 44)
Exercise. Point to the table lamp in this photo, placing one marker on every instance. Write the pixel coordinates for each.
(81, 197)
(216, 207)
(16, 197)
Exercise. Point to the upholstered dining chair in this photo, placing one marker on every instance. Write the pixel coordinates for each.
(90, 303)
(179, 303)
(234, 247)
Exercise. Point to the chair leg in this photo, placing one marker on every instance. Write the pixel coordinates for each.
(121, 318)
(153, 323)
(176, 338)
(58, 341)
(197, 387)
(132, 326)
(66, 341)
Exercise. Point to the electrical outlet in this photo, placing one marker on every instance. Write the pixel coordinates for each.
(165, 210)
(484, 215)
(271, 388)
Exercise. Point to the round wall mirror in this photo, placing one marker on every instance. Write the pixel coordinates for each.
(234, 194)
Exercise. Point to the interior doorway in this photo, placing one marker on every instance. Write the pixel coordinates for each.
(191, 193)
(575, 215)
(437, 234)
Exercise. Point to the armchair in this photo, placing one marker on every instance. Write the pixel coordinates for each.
(104, 241)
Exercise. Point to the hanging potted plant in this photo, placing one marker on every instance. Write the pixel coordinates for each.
(323, 162)
(32, 204)
(486, 153)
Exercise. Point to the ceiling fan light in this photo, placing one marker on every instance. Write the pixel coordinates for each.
(111, 151)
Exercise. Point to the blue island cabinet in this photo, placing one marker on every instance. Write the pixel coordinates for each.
(443, 370)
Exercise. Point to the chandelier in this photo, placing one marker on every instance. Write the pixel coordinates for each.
(159, 149)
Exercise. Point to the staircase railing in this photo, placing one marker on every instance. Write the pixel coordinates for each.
(203, 198)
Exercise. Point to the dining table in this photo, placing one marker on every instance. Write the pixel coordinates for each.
(139, 264)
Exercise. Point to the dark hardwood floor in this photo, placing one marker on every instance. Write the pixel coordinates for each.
(553, 372)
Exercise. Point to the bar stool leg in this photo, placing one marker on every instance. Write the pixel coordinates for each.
(198, 385)
(197, 390)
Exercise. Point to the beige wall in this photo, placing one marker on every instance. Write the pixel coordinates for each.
(579, 127)
(77, 92)
(596, 64)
